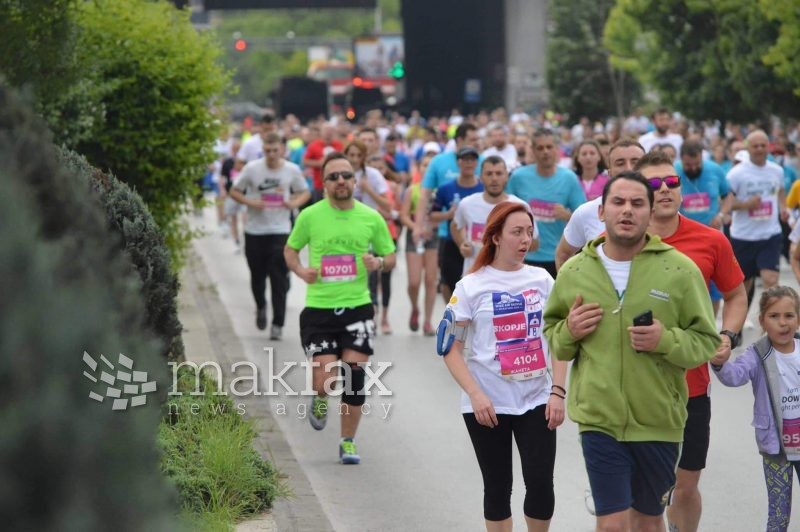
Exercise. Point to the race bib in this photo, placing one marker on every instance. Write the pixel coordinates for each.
(791, 437)
(272, 201)
(335, 268)
(544, 211)
(476, 232)
(522, 360)
(764, 212)
(697, 202)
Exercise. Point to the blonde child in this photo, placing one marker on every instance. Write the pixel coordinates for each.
(772, 365)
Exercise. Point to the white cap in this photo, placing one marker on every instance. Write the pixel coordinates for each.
(741, 156)
(431, 147)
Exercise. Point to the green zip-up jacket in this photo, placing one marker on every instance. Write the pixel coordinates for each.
(613, 389)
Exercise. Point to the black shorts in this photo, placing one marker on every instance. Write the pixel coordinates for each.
(327, 331)
(757, 255)
(451, 263)
(411, 246)
(696, 434)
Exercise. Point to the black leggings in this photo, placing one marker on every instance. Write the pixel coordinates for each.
(265, 258)
(537, 451)
(386, 286)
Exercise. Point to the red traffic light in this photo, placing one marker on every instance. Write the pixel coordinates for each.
(240, 45)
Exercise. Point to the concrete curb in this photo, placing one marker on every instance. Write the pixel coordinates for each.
(209, 337)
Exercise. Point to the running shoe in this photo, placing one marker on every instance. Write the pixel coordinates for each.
(261, 318)
(276, 332)
(413, 322)
(319, 412)
(348, 454)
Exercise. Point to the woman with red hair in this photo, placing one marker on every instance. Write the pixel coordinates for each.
(510, 385)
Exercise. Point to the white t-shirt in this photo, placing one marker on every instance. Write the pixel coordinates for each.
(257, 181)
(505, 311)
(746, 180)
(376, 182)
(619, 271)
(472, 213)
(584, 224)
(251, 149)
(789, 369)
(648, 140)
(508, 153)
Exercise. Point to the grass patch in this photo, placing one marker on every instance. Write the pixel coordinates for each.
(209, 455)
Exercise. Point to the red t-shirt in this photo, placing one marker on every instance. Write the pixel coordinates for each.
(712, 253)
(316, 151)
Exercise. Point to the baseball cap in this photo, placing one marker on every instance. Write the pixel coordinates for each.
(467, 151)
(431, 146)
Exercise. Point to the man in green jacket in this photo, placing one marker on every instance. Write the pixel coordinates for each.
(627, 386)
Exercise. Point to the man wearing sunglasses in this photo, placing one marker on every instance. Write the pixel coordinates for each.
(712, 253)
(337, 322)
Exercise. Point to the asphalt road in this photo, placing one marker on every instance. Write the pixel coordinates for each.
(418, 469)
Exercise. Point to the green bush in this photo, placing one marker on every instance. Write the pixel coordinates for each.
(69, 463)
(208, 453)
(129, 217)
(159, 128)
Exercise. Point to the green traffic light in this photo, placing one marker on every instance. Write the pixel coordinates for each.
(397, 71)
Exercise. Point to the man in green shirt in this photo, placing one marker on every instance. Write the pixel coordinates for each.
(337, 322)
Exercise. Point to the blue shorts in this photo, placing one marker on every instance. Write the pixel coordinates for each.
(638, 475)
(757, 255)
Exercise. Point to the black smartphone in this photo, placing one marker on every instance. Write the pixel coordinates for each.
(645, 318)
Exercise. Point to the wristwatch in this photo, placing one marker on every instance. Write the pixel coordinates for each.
(736, 338)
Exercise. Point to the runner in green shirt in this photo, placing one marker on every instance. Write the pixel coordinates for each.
(337, 323)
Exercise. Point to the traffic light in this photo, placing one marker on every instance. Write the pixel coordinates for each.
(240, 45)
(397, 71)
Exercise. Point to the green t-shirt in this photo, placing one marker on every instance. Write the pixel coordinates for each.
(336, 241)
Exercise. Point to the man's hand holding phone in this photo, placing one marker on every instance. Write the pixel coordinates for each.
(645, 332)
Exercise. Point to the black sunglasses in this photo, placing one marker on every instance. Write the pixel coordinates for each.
(334, 176)
(672, 181)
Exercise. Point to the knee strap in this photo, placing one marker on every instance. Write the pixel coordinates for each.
(354, 386)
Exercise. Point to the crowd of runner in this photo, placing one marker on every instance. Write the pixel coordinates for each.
(550, 243)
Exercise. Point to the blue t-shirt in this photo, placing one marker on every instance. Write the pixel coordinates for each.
(445, 195)
(789, 177)
(401, 163)
(542, 193)
(442, 169)
(726, 166)
(701, 195)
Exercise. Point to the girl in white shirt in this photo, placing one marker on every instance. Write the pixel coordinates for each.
(508, 387)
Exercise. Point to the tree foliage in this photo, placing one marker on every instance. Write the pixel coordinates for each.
(784, 55)
(703, 58)
(140, 239)
(580, 78)
(159, 127)
(69, 463)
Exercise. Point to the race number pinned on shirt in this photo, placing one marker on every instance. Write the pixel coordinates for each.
(517, 323)
(336, 268)
(272, 200)
(476, 232)
(522, 360)
(791, 438)
(697, 202)
(543, 211)
(764, 212)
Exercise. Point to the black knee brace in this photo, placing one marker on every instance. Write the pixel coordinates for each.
(354, 386)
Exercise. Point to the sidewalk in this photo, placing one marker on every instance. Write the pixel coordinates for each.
(209, 337)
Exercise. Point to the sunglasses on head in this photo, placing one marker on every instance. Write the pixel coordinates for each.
(334, 176)
(672, 181)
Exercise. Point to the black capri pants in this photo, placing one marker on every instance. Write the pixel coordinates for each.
(537, 450)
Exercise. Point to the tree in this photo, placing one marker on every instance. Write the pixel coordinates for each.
(703, 58)
(784, 55)
(69, 463)
(580, 78)
(159, 127)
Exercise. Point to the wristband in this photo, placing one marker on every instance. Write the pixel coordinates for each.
(380, 266)
(560, 388)
(557, 395)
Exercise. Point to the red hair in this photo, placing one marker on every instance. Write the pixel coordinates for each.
(494, 227)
